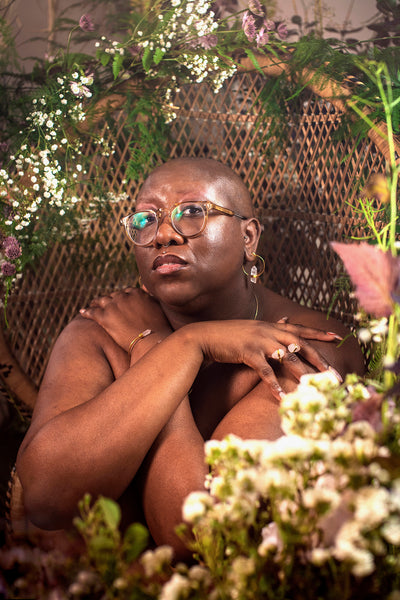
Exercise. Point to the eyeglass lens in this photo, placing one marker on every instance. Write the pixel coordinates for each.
(186, 218)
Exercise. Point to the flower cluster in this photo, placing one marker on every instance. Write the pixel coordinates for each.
(39, 172)
(257, 27)
(173, 43)
(12, 251)
(49, 163)
(321, 499)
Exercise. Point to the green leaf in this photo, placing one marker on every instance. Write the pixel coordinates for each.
(101, 543)
(104, 59)
(135, 541)
(253, 59)
(111, 512)
(117, 64)
(147, 59)
(158, 55)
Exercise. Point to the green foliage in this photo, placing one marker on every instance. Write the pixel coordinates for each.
(146, 123)
(109, 552)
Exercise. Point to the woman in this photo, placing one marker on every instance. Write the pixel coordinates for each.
(138, 381)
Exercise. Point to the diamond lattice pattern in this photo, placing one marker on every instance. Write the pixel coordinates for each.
(303, 181)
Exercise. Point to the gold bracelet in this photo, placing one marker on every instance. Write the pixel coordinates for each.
(135, 340)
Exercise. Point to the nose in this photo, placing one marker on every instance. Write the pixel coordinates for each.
(166, 234)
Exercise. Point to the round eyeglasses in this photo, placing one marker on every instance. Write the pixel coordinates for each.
(187, 218)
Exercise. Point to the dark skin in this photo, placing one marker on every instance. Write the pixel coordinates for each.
(133, 428)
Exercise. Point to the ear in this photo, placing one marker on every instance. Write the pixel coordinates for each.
(251, 230)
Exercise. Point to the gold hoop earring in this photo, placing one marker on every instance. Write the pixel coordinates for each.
(254, 272)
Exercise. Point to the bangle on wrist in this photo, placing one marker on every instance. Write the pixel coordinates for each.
(135, 340)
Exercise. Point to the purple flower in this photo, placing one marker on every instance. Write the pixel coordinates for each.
(262, 37)
(282, 31)
(11, 247)
(8, 269)
(269, 24)
(3, 146)
(256, 8)
(86, 23)
(249, 26)
(208, 41)
(205, 41)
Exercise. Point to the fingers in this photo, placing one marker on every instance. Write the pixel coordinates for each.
(311, 333)
(266, 373)
(294, 352)
(89, 313)
(291, 356)
(314, 358)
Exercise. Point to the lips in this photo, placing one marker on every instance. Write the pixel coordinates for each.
(168, 263)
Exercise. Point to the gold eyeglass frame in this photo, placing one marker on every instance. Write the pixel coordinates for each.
(159, 212)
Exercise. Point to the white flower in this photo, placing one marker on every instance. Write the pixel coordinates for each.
(174, 588)
(391, 530)
(314, 496)
(271, 539)
(372, 506)
(363, 563)
(243, 566)
(153, 560)
(320, 556)
(195, 506)
(364, 335)
(201, 574)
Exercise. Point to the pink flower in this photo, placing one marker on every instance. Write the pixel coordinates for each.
(269, 24)
(282, 31)
(249, 26)
(256, 8)
(11, 247)
(86, 23)
(8, 269)
(262, 37)
(208, 41)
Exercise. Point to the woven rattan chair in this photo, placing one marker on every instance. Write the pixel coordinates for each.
(303, 184)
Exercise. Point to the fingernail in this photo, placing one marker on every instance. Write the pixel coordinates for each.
(335, 335)
(293, 348)
(82, 310)
(336, 374)
(283, 320)
(278, 354)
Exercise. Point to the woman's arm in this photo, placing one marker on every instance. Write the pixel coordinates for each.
(90, 433)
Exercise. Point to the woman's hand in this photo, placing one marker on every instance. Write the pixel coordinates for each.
(126, 313)
(265, 347)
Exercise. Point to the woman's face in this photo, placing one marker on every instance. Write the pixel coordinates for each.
(178, 270)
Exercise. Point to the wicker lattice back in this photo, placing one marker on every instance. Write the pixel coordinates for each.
(302, 184)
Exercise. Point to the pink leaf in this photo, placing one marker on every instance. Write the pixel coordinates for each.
(374, 274)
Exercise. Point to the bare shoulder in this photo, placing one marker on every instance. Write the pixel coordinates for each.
(81, 365)
(82, 341)
(345, 356)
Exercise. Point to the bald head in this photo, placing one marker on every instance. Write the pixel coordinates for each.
(227, 184)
